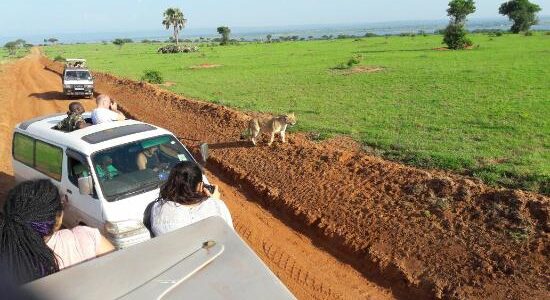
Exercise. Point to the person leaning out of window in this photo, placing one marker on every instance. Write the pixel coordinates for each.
(184, 200)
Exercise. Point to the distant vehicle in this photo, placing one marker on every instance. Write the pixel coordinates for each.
(77, 79)
(205, 260)
(95, 169)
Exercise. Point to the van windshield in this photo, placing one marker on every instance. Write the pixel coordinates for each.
(77, 75)
(137, 167)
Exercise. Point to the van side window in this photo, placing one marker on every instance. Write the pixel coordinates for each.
(23, 149)
(76, 169)
(48, 159)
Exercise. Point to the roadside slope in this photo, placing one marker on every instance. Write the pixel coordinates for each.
(423, 233)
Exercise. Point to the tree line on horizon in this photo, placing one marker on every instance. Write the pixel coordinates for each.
(521, 12)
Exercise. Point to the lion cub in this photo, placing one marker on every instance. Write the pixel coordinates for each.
(271, 126)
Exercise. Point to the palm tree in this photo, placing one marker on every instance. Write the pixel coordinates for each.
(173, 17)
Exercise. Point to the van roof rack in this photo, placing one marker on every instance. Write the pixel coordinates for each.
(75, 62)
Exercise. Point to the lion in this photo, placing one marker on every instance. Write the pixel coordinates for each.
(272, 126)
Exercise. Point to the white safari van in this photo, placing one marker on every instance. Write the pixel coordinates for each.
(96, 172)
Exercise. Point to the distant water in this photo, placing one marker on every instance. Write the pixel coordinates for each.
(251, 33)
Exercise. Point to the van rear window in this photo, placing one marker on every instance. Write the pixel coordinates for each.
(23, 149)
(48, 159)
(39, 155)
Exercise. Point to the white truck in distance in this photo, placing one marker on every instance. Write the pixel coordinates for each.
(77, 79)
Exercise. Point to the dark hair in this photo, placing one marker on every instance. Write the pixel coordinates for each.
(181, 186)
(75, 108)
(29, 215)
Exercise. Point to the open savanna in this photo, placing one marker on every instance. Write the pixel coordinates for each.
(483, 112)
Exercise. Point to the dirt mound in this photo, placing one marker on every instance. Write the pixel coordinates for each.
(425, 234)
(363, 69)
(447, 49)
(205, 66)
(356, 70)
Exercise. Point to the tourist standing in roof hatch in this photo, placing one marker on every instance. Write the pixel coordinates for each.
(74, 119)
(106, 111)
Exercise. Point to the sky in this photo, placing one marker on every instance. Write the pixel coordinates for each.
(23, 17)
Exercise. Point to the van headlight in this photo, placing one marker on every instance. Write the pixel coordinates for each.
(66, 86)
(89, 86)
(125, 228)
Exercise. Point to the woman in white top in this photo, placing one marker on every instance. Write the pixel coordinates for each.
(185, 199)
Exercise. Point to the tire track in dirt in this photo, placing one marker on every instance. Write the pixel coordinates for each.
(309, 272)
(28, 90)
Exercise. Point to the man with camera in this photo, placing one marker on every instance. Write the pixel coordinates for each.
(106, 111)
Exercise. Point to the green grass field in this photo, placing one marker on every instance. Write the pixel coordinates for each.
(5, 57)
(483, 111)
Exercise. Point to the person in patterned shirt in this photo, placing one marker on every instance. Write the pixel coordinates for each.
(74, 119)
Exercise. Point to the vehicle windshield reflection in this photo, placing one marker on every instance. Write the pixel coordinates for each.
(120, 175)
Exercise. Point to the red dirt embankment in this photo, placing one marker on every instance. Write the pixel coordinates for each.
(425, 234)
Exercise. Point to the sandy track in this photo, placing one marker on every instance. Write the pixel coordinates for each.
(28, 90)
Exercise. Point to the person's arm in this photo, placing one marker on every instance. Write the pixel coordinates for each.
(105, 246)
(141, 161)
(215, 194)
(119, 115)
(81, 124)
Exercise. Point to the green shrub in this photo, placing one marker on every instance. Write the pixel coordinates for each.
(152, 76)
(59, 58)
(341, 66)
(353, 61)
(455, 37)
(528, 33)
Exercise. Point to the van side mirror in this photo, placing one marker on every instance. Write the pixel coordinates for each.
(204, 152)
(85, 185)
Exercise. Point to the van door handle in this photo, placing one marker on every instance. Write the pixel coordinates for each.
(69, 191)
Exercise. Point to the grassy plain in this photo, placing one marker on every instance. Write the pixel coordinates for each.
(5, 57)
(483, 112)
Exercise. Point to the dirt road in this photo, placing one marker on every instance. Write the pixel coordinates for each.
(27, 90)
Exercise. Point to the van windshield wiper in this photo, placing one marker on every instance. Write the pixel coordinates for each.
(146, 188)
